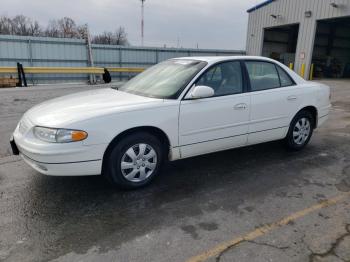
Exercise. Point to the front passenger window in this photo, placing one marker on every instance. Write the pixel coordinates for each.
(225, 78)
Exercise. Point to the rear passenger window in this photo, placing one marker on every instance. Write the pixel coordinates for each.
(284, 77)
(263, 75)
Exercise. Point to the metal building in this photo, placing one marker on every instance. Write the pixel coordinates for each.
(313, 35)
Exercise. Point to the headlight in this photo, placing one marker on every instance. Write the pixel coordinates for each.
(53, 135)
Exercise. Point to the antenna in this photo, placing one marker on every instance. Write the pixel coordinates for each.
(142, 21)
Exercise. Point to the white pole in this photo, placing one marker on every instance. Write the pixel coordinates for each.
(91, 59)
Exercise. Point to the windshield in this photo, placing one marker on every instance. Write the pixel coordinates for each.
(164, 80)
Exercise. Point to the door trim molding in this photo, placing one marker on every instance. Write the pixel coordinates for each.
(209, 129)
(234, 136)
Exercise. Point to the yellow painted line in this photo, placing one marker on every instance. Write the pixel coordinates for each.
(8, 69)
(265, 229)
(70, 70)
(63, 70)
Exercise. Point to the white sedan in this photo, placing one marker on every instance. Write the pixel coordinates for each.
(177, 109)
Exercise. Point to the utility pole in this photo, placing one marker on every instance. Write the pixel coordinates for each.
(142, 21)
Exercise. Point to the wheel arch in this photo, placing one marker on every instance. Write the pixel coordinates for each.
(159, 133)
(314, 112)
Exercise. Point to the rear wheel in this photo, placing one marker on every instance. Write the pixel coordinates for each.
(300, 130)
(134, 161)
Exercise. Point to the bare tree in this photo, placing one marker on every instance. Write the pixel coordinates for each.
(5, 25)
(119, 37)
(22, 25)
(68, 27)
(104, 38)
(52, 29)
(82, 31)
(35, 29)
(64, 27)
(19, 25)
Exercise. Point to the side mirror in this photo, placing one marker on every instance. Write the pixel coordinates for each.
(201, 92)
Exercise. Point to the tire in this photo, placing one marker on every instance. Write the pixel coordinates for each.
(127, 167)
(300, 131)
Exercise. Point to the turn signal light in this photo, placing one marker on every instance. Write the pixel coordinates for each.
(79, 135)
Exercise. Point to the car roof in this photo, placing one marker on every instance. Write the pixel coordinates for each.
(215, 59)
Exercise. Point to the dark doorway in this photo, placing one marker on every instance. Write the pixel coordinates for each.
(280, 43)
(331, 55)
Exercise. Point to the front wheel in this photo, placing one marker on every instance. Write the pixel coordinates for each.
(134, 161)
(300, 131)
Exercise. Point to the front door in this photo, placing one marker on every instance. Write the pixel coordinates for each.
(219, 122)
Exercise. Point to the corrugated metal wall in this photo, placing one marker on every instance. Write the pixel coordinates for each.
(293, 12)
(49, 52)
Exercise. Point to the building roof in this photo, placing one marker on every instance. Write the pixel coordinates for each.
(260, 5)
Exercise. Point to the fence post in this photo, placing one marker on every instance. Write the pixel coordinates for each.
(120, 63)
(30, 53)
(157, 56)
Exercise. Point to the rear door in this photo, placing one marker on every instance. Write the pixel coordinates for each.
(275, 99)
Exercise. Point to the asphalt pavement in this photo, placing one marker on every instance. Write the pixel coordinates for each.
(259, 203)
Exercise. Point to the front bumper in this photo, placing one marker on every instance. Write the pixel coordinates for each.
(67, 159)
(83, 168)
(14, 147)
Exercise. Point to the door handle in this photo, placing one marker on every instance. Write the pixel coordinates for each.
(291, 98)
(241, 106)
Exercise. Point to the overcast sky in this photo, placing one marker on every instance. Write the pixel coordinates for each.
(210, 23)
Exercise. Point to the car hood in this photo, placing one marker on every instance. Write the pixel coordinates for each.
(62, 111)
